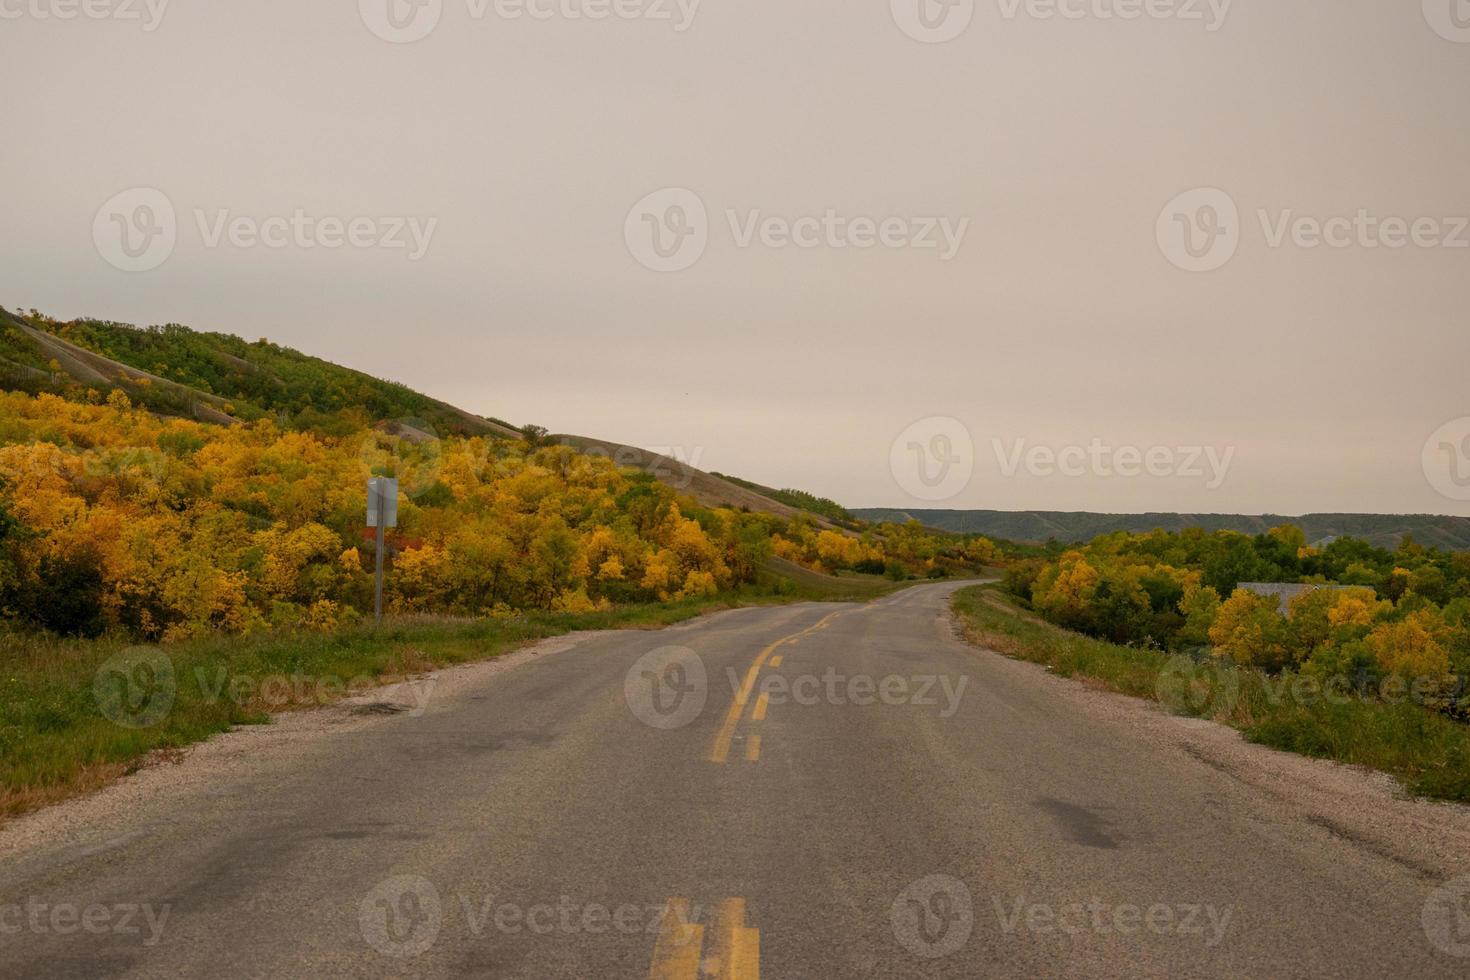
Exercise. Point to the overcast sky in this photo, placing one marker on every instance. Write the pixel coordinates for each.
(1044, 158)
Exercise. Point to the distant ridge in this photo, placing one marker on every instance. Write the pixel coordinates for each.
(1382, 530)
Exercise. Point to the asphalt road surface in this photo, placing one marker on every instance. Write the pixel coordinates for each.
(817, 790)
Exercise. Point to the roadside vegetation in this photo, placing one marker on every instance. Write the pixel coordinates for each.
(116, 520)
(144, 551)
(1395, 622)
(76, 713)
(1373, 674)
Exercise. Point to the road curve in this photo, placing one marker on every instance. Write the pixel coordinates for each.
(815, 790)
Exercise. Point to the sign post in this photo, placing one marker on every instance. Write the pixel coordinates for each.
(382, 512)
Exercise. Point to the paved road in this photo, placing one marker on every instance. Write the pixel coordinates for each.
(898, 804)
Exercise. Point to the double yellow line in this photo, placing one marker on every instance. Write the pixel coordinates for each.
(678, 953)
(720, 750)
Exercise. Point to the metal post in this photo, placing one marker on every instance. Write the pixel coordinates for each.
(382, 506)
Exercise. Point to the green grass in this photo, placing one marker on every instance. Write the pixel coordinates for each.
(796, 581)
(57, 737)
(1427, 752)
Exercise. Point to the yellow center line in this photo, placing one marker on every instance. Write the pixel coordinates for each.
(676, 951)
(737, 952)
(753, 748)
(735, 948)
(720, 751)
(776, 660)
(761, 704)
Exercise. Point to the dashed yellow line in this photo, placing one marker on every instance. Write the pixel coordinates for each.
(720, 750)
(762, 703)
(776, 660)
(753, 748)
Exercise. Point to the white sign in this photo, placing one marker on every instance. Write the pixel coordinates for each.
(387, 488)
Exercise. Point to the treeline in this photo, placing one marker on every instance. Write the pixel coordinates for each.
(1401, 618)
(115, 519)
(799, 499)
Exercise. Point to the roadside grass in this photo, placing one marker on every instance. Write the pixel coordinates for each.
(1427, 752)
(59, 736)
(793, 579)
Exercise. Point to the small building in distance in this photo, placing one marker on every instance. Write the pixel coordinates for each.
(1284, 592)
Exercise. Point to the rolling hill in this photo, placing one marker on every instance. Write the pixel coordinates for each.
(212, 377)
(1382, 530)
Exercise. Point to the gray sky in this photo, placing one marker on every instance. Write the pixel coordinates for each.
(1064, 317)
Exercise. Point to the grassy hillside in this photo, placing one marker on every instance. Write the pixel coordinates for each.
(214, 377)
(801, 500)
(1380, 530)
